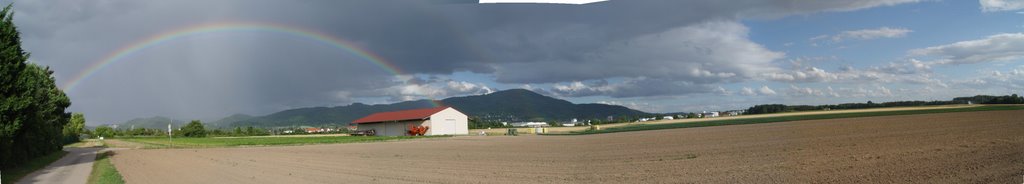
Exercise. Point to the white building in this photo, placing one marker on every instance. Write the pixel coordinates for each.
(439, 120)
(707, 114)
(668, 118)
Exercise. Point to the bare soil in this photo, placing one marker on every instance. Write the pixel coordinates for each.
(968, 147)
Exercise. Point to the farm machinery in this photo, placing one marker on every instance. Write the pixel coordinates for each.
(417, 130)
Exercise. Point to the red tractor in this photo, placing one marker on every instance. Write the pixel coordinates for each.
(417, 130)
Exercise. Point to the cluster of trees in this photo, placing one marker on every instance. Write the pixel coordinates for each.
(986, 99)
(980, 99)
(776, 108)
(32, 107)
(239, 131)
(192, 129)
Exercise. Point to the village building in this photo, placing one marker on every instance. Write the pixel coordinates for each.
(707, 114)
(438, 120)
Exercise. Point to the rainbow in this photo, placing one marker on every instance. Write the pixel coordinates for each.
(165, 37)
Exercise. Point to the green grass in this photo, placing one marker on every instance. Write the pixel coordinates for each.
(15, 174)
(643, 127)
(163, 142)
(103, 171)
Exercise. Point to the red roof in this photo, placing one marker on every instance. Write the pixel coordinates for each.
(400, 115)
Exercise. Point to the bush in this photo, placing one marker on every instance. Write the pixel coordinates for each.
(193, 129)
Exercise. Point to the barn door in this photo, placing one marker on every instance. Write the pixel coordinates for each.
(451, 122)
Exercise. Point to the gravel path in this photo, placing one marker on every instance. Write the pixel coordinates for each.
(72, 168)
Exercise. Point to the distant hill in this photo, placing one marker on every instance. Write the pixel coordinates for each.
(157, 122)
(226, 122)
(508, 105)
(525, 105)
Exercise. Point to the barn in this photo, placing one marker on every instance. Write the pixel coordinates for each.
(439, 120)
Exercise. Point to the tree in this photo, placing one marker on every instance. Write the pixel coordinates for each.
(32, 115)
(73, 130)
(193, 129)
(105, 131)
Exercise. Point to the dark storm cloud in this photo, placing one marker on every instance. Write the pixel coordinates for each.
(685, 44)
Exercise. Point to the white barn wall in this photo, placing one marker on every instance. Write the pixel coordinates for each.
(449, 122)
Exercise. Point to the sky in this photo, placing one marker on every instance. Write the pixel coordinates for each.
(655, 56)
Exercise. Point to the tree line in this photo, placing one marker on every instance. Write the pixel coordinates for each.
(979, 99)
(33, 120)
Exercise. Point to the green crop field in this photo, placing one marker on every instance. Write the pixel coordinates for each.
(643, 127)
(211, 142)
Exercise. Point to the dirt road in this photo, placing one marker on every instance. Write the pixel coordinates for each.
(72, 168)
(969, 147)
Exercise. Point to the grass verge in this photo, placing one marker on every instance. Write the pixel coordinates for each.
(163, 142)
(644, 127)
(14, 174)
(103, 171)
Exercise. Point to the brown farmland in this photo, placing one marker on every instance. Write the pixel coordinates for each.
(969, 147)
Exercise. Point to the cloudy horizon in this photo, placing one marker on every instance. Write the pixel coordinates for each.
(654, 56)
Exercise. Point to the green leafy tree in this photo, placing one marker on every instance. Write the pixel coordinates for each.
(193, 129)
(73, 130)
(32, 108)
(105, 131)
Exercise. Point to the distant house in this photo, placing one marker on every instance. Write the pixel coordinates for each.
(707, 114)
(439, 120)
(735, 112)
(668, 118)
(314, 130)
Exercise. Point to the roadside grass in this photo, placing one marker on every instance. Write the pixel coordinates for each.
(643, 127)
(210, 142)
(103, 171)
(14, 174)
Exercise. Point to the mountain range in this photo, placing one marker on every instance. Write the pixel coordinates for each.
(508, 105)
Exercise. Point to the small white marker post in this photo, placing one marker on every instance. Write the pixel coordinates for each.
(169, 135)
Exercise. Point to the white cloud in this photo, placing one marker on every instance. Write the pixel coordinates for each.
(414, 89)
(912, 66)
(1000, 47)
(829, 91)
(1010, 79)
(467, 87)
(722, 91)
(638, 87)
(1001, 5)
(864, 34)
(909, 72)
(806, 91)
(747, 91)
(766, 91)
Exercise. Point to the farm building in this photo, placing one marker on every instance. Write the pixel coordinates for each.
(707, 114)
(438, 120)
